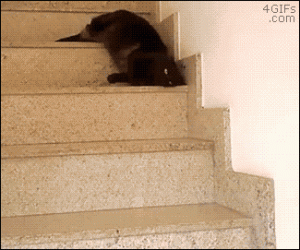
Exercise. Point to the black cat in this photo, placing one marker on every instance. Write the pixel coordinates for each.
(135, 47)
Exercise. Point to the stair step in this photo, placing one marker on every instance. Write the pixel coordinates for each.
(104, 147)
(62, 68)
(27, 27)
(64, 118)
(84, 6)
(112, 175)
(43, 89)
(56, 64)
(97, 228)
(49, 66)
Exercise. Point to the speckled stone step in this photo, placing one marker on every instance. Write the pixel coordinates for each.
(104, 147)
(184, 226)
(87, 6)
(81, 114)
(105, 175)
(32, 119)
(56, 64)
(57, 68)
(27, 26)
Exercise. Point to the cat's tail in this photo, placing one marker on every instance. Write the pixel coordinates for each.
(81, 37)
(74, 38)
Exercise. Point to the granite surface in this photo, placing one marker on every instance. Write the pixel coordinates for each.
(104, 147)
(252, 195)
(191, 70)
(81, 183)
(52, 65)
(31, 119)
(238, 238)
(83, 6)
(224, 239)
(88, 88)
(120, 222)
(213, 124)
(249, 194)
(190, 226)
(22, 26)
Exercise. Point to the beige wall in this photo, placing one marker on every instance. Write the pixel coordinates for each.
(251, 65)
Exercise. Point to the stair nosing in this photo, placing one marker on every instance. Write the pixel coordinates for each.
(122, 222)
(92, 89)
(73, 11)
(51, 45)
(103, 147)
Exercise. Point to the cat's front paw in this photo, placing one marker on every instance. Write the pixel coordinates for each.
(112, 78)
(117, 77)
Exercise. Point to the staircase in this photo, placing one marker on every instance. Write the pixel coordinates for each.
(88, 165)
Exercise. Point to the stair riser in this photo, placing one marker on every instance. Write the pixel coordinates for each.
(238, 238)
(94, 182)
(56, 66)
(41, 27)
(92, 117)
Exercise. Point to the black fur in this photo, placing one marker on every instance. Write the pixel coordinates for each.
(129, 38)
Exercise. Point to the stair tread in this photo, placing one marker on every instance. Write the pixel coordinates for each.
(121, 222)
(103, 147)
(45, 75)
(43, 26)
(76, 6)
(86, 88)
(50, 44)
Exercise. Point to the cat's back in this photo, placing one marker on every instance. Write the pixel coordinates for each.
(128, 28)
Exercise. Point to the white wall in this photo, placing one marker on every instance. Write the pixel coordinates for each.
(252, 66)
